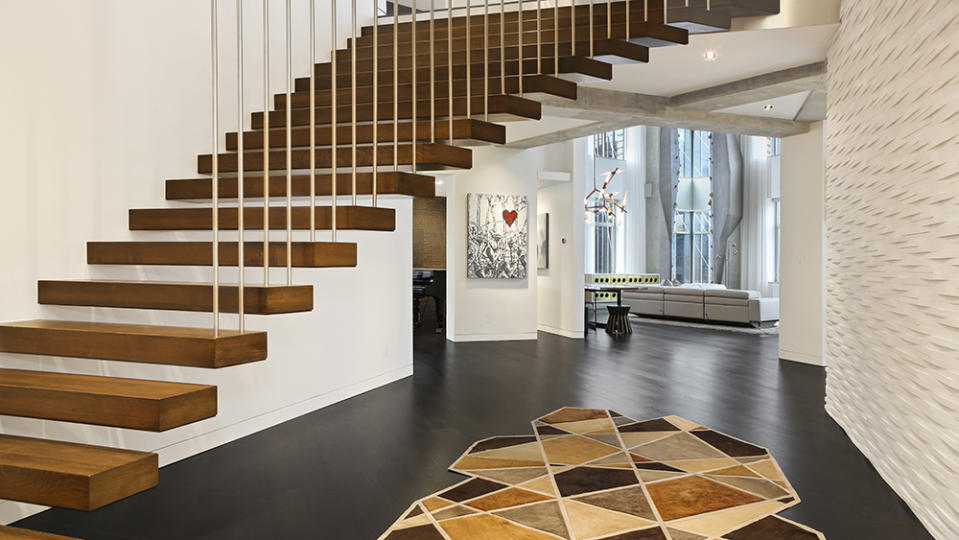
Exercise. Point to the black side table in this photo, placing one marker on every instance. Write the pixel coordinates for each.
(618, 323)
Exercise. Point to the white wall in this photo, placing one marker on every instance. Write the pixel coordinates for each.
(802, 263)
(495, 309)
(105, 100)
(892, 217)
(560, 296)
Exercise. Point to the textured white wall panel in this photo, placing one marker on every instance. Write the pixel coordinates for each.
(892, 213)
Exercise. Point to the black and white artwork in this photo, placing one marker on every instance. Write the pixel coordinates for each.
(497, 236)
(542, 244)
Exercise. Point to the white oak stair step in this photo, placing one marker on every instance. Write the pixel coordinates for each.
(169, 345)
(175, 296)
(105, 401)
(71, 475)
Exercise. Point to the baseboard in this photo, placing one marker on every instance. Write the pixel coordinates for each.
(521, 336)
(793, 356)
(575, 334)
(11, 511)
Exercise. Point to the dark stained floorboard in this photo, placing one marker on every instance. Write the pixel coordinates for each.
(347, 471)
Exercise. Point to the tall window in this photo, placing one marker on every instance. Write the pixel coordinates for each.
(692, 222)
(604, 244)
(776, 238)
(610, 144)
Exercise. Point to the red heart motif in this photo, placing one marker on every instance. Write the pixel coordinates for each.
(509, 216)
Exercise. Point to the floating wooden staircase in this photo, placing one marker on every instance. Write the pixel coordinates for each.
(446, 101)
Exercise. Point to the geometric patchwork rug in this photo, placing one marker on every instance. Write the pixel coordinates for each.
(586, 474)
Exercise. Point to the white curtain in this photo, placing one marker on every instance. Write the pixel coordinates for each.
(757, 240)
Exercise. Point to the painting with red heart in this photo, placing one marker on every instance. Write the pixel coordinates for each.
(497, 242)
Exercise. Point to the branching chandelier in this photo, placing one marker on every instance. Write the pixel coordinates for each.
(601, 201)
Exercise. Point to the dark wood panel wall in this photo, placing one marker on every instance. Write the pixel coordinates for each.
(429, 233)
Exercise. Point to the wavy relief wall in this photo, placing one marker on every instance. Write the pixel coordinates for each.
(892, 212)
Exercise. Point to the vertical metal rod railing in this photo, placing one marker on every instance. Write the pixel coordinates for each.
(572, 27)
(334, 177)
(589, 23)
(539, 37)
(353, 101)
(502, 46)
(376, 97)
(289, 143)
(449, 66)
(266, 143)
(312, 120)
(609, 19)
(414, 117)
(215, 181)
(646, 10)
(432, 72)
(396, 87)
(519, 41)
(665, 9)
(486, 60)
(240, 252)
(627, 19)
(469, 62)
(555, 37)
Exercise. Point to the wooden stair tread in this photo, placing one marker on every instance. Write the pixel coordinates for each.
(547, 50)
(502, 108)
(429, 156)
(365, 218)
(13, 533)
(106, 401)
(387, 183)
(568, 65)
(304, 254)
(172, 345)
(71, 475)
(466, 131)
(176, 296)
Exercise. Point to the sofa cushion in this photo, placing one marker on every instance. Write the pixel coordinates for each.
(686, 310)
(646, 307)
(721, 301)
(731, 293)
(725, 313)
(683, 291)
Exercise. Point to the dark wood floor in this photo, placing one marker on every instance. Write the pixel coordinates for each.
(347, 471)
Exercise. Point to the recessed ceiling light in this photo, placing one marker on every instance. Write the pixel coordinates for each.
(710, 55)
(768, 107)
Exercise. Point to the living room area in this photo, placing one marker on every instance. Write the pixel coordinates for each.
(701, 242)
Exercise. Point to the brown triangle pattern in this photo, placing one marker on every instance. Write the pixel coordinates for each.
(695, 483)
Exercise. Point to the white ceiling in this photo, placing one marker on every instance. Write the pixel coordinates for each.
(785, 107)
(681, 68)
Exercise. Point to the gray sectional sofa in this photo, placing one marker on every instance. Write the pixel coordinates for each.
(705, 303)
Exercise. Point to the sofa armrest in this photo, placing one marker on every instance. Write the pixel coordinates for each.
(763, 310)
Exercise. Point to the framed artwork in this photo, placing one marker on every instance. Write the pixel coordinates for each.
(542, 245)
(497, 236)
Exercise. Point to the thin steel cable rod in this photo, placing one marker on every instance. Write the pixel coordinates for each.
(289, 145)
(469, 63)
(519, 22)
(266, 142)
(609, 18)
(239, 169)
(502, 46)
(353, 101)
(646, 10)
(312, 120)
(449, 63)
(627, 19)
(216, 170)
(556, 38)
(333, 125)
(396, 87)
(590, 23)
(414, 117)
(432, 75)
(376, 94)
(539, 37)
(572, 27)
(665, 9)
(486, 60)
